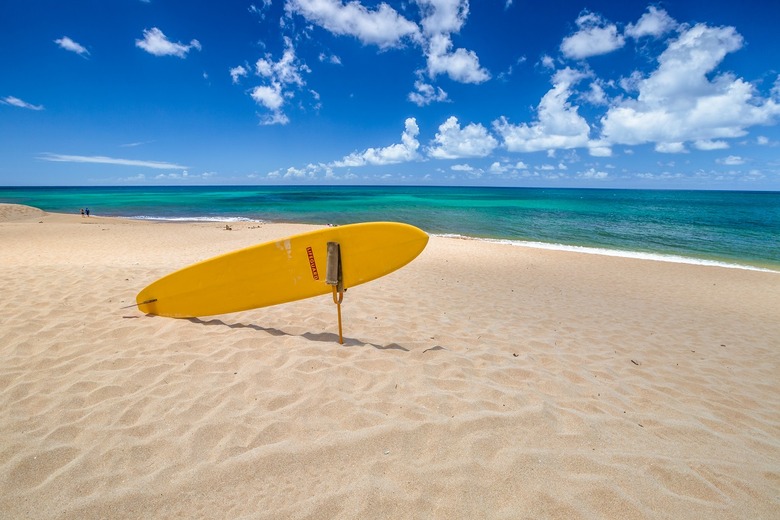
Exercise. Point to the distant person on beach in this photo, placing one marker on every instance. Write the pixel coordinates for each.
(86, 211)
(82, 212)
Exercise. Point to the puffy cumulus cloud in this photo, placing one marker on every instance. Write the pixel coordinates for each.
(679, 103)
(382, 26)
(443, 16)
(559, 125)
(69, 45)
(286, 71)
(16, 102)
(309, 172)
(385, 27)
(271, 97)
(282, 78)
(593, 174)
(655, 22)
(156, 43)
(460, 65)
(426, 94)
(236, 73)
(497, 168)
(441, 19)
(404, 151)
(594, 37)
(454, 142)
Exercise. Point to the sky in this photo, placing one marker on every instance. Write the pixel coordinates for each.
(681, 94)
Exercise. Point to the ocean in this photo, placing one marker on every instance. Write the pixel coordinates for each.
(733, 228)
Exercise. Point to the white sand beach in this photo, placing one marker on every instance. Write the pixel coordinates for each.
(480, 381)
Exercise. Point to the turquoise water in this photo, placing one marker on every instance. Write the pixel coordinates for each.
(706, 226)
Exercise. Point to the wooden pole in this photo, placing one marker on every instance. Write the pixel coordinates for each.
(334, 277)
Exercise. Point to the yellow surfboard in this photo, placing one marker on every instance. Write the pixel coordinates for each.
(284, 270)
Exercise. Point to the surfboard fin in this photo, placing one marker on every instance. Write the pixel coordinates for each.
(334, 277)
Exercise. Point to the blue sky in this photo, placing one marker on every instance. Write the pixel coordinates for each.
(676, 94)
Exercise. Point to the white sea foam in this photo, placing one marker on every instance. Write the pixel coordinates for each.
(658, 257)
(196, 219)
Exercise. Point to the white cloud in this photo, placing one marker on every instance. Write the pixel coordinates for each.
(283, 77)
(548, 62)
(99, 159)
(655, 22)
(332, 59)
(135, 144)
(69, 45)
(238, 72)
(559, 125)
(155, 42)
(594, 37)
(386, 28)
(269, 96)
(184, 176)
(671, 147)
(443, 16)
(462, 168)
(497, 168)
(454, 142)
(286, 71)
(404, 151)
(426, 94)
(309, 172)
(16, 102)
(383, 26)
(460, 65)
(593, 174)
(260, 11)
(731, 160)
(441, 19)
(707, 144)
(596, 95)
(678, 102)
(599, 149)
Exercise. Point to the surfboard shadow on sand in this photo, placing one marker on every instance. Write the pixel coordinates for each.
(324, 337)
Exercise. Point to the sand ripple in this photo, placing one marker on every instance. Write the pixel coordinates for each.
(576, 387)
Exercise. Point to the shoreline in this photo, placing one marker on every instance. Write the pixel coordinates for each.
(621, 253)
(590, 250)
(656, 257)
(678, 223)
(480, 380)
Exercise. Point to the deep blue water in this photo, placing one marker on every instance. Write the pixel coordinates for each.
(722, 226)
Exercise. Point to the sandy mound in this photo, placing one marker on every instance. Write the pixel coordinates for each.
(10, 212)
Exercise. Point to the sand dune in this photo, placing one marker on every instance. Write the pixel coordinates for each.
(480, 381)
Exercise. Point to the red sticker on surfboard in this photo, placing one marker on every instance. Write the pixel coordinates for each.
(312, 264)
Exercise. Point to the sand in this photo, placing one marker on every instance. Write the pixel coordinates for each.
(480, 381)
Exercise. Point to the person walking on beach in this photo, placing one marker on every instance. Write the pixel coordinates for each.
(86, 211)
(82, 212)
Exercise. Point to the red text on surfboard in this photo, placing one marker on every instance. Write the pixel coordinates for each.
(312, 264)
